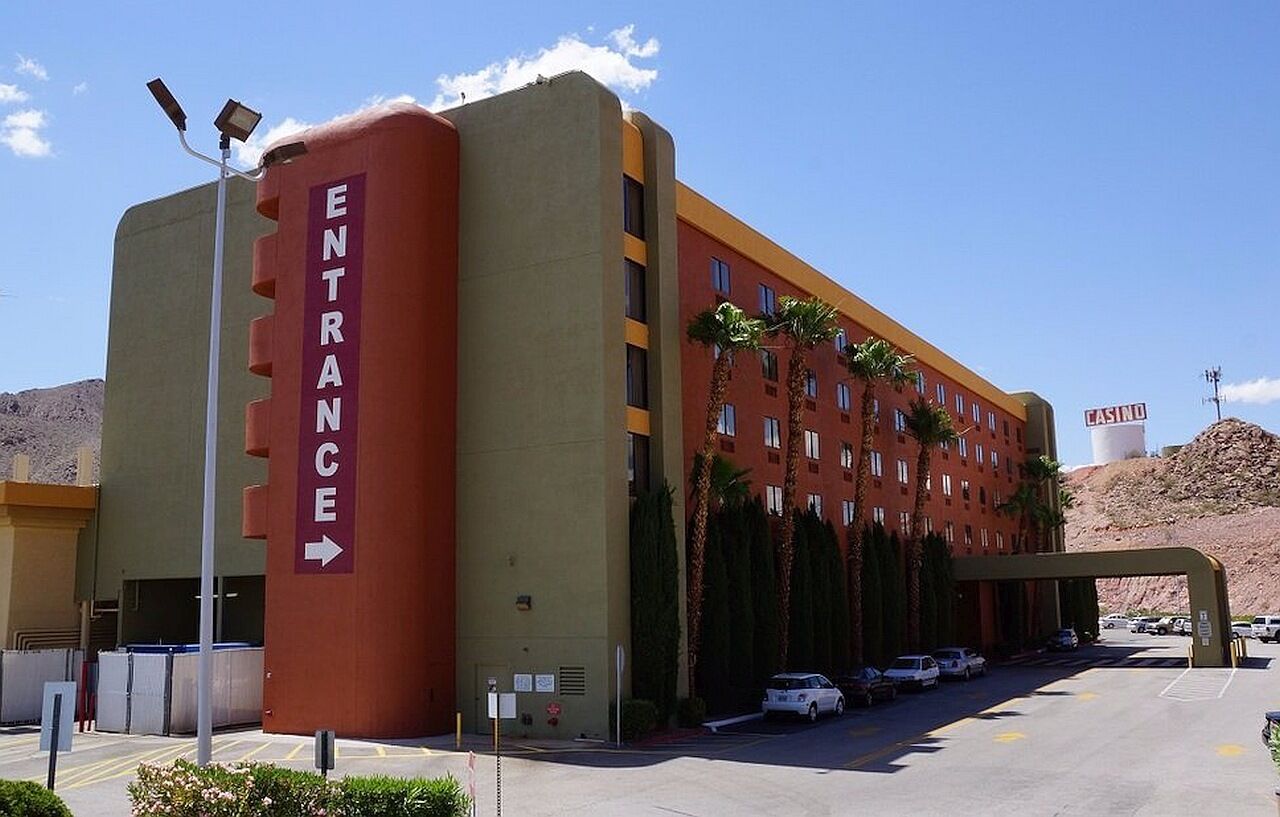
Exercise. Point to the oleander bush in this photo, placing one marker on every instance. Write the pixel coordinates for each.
(262, 790)
(27, 799)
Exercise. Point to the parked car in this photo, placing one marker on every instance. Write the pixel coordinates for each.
(1065, 639)
(806, 694)
(1113, 620)
(919, 671)
(1269, 723)
(959, 662)
(1265, 628)
(1242, 628)
(864, 686)
(1161, 626)
(1140, 624)
(1182, 626)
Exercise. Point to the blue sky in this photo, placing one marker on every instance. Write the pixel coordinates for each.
(1079, 199)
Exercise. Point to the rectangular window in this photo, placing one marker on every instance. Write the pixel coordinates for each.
(768, 300)
(991, 420)
(928, 524)
(811, 384)
(960, 406)
(815, 503)
(1005, 423)
(995, 460)
(920, 384)
(899, 420)
(634, 284)
(728, 425)
(963, 445)
(982, 537)
(949, 532)
(928, 482)
(977, 415)
(772, 434)
(637, 463)
(841, 341)
(902, 471)
(968, 535)
(964, 489)
(877, 515)
(877, 464)
(811, 443)
(773, 499)
(842, 396)
(944, 445)
(999, 540)
(942, 395)
(846, 511)
(769, 365)
(977, 453)
(637, 377)
(946, 485)
(1017, 433)
(719, 276)
(633, 206)
(846, 454)
(904, 522)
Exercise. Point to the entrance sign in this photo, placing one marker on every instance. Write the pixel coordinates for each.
(1110, 415)
(330, 378)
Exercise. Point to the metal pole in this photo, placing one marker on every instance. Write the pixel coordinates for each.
(53, 740)
(204, 684)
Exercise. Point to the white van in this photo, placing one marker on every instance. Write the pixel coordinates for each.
(1265, 628)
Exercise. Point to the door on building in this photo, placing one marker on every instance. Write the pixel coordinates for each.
(502, 674)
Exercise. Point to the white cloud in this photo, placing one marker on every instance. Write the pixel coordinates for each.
(12, 93)
(1263, 390)
(80, 88)
(248, 153)
(20, 131)
(31, 68)
(612, 65)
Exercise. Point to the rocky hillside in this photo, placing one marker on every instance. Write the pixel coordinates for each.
(1219, 493)
(48, 425)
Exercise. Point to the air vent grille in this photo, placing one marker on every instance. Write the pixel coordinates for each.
(573, 680)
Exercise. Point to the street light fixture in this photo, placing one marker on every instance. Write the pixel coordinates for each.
(234, 122)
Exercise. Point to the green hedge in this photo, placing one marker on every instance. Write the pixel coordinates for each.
(260, 790)
(639, 718)
(655, 601)
(27, 799)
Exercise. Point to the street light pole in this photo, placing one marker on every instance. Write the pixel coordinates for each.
(235, 121)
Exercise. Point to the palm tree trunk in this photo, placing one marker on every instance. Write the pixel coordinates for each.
(855, 554)
(795, 433)
(914, 548)
(701, 508)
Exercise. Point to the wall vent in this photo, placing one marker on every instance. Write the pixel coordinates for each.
(573, 680)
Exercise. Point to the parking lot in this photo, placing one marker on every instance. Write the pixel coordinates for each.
(1118, 728)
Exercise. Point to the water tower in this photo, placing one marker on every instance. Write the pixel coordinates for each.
(1118, 432)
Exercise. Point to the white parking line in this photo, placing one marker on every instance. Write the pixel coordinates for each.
(1201, 684)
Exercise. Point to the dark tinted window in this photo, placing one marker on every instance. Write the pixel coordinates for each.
(637, 377)
(635, 290)
(905, 663)
(637, 463)
(769, 365)
(633, 206)
(788, 683)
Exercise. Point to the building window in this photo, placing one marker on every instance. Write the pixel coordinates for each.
(634, 284)
(949, 532)
(841, 341)
(960, 406)
(995, 497)
(995, 460)
(968, 535)
(811, 384)
(977, 415)
(772, 434)
(963, 445)
(842, 396)
(977, 453)
(877, 464)
(944, 445)
(1005, 423)
(633, 206)
(846, 511)
(728, 425)
(769, 365)
(637, 463)
(899, 420)
(768, 300)
(904, 522)
(1017, 432)
(877, 515)
(846, 454)
(999, 540)
(946, 485)
(920, 385)
(991, 420)
(928, 483)
(982, 495)
(964, 489)
(927, 524)
(719, 276)
(811, 443)
(773, 499)
(637, 377)
(942, 394)
(902, 471)
(815, 503)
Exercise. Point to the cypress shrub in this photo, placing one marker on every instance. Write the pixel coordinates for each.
(944, 578)
(895, 595)
(839, 603)
(764, 594)
(820, 575)
(735, 534)
(713, 659)
(928, 598)
(800, 650)
(872, 597)
(655, 602)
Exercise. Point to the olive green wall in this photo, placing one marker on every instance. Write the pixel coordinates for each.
(542, 487)
(153, 416)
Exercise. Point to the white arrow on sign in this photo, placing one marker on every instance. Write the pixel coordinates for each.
(324, 551)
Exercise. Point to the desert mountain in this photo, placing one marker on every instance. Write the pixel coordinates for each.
(48, 425)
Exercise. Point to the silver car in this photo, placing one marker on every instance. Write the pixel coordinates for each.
(959, 662)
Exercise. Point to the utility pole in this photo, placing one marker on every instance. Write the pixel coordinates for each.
(1213, 376)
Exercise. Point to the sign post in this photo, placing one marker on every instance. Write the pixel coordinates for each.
(501, 705)
(55, 723)
(620, 660)
(324, 760)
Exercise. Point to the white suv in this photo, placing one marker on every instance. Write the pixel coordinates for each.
(1265, 628)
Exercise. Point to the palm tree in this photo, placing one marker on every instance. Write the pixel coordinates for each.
(729, 484)
(727, 329)
(872, 362)
(1030, 503)
(803, 324)
(930, 425)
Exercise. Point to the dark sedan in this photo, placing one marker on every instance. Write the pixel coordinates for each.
(864, 686)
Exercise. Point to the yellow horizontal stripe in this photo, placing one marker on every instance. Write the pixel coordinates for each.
(637, 333)
(635, 249)
(637, 420)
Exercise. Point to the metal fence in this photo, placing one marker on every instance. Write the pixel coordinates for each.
(155, 693)
(23, 674)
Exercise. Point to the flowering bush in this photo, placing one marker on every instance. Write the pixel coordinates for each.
(262, 790)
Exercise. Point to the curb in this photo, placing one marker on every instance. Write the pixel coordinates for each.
(717, 725)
